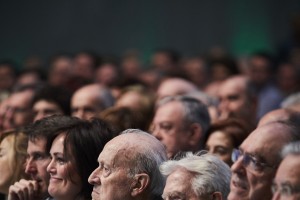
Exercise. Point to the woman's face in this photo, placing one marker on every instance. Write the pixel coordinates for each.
(64, 182)
(6, 169)
(221, 145)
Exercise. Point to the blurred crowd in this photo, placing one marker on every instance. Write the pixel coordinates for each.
(86, 126)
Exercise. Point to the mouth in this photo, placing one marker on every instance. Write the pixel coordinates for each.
(239, 184)
(95, 192)
(55, 179)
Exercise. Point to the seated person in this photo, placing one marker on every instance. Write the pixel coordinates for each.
(286, 184)
(74, 153)
(13, 146)
(223, 136)
(196, 177)
(50, 100)
(128, 168)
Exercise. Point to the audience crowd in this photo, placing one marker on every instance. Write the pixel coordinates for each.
(208, 127)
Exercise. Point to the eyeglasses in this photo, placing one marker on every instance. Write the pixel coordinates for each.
(285, 189)
(249, 161)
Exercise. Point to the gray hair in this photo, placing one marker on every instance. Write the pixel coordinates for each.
(210, 173)
(147, 160)
(195, 111)
(292, 148)
(291, 100)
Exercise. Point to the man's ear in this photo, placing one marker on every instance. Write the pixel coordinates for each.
(140, 184)
(195, 134)
(217, 196)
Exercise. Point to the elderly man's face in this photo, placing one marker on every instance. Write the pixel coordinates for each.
(179, 186)
(288, 178)
(252, 177)
(168, 127)
(111, 180)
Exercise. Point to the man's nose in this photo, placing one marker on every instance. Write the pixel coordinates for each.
(94, 178)
(156, 133)
(238, 166)
(30, 167)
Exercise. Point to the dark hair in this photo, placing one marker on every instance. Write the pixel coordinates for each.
(172, 54)
(10, 64)
(47, 128)
(233, 128)
(84, 141)
(122, 118)
(57, 95)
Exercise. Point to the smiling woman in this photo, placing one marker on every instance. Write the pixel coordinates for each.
(13, 146)
(74, 152)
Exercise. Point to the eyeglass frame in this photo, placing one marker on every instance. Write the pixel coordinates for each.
(247, 159)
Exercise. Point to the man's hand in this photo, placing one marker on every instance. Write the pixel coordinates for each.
(23, 190)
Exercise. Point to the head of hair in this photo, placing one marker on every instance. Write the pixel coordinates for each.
(194, 110)
(9, 64)
(18, 143)
(228, 63)
(266, 56)
(53, 94)
(292, 148)
(291, 100)
(146, 103)
(48, 127)
(147, 160)
(210, 173)
(122, 118)
(233, 128)
(84, 141)
(173, 55)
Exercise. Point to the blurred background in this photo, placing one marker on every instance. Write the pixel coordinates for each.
(43, 28)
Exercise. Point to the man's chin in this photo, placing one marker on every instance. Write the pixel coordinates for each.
(237, 194)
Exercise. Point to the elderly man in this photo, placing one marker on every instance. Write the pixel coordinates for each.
(287, 181)
(237, 99)
(196, 177)
(180, 123)
(88, 101)
(281, 114)
(129, 168)
(40, 134)
(257, 159)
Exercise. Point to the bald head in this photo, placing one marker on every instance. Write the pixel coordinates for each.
(283, 114)
(175, 86)
(135, 168)
(90, 100)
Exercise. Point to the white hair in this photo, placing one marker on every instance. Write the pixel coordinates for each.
(291, 100)
(210, 173)
(292, 148)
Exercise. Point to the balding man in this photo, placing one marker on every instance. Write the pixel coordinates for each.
(88, 101)
(257, 160)
(180, 123)
(281, 114)
(286, 184)
(129, 168)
